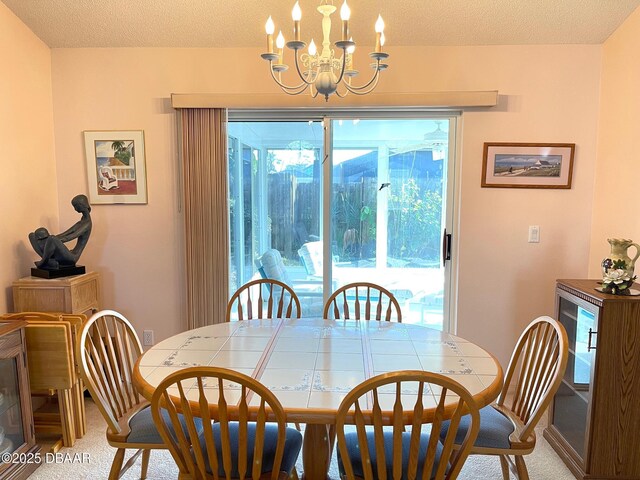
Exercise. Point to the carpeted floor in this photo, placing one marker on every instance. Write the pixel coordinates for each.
(91, 457)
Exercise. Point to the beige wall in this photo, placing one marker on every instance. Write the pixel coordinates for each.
(548, 94)
(615, 213)
(28, 193)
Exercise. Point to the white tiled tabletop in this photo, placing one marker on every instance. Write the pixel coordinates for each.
(313, 363)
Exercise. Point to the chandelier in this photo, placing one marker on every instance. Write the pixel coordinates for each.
(323, 72)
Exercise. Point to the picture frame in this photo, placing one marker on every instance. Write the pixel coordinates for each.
(116, 166)
(527, 165)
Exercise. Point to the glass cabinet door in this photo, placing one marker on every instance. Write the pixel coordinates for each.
(571, 402)
(11, 426)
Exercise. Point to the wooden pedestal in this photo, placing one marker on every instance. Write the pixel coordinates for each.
(77, 294)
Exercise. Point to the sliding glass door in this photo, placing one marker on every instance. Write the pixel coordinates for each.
(275, 204)
(388, 211)
(378, 189)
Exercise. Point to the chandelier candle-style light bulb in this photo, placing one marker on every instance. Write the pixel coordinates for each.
(350, 50)
(379, 27)
(296, 14)
(325, 68)
(345, 13)
(270, 28)
(280, 45)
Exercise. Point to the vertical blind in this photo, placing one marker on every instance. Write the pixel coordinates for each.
(204, 163)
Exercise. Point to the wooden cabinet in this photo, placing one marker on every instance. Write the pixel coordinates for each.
(76, 294)
(16, 420)
(594, 419)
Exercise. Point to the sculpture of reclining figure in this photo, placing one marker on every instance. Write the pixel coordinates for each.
(52, 248)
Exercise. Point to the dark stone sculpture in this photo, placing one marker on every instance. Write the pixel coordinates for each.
(57, 260)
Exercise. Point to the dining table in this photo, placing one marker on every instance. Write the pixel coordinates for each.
(310, 364)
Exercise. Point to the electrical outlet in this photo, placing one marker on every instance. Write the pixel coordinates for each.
(147, 337)
(534, 234)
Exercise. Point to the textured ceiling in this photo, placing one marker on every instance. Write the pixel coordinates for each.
(240, 23)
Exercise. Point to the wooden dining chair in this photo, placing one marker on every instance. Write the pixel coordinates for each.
(264, 298)
(107, 352)
(398, 418)
(244, 426)
(363, 301)
(249, 301)
(534, 374)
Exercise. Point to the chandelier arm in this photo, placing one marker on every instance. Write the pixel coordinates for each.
(341, 95)
(361, 90)
(284, 87)
(298, 92)
(314, 93)
(298, 70)
(374, 81)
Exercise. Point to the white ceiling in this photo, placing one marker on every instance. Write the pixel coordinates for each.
(240, 23)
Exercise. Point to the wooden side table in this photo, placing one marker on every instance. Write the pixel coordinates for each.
(76, 294)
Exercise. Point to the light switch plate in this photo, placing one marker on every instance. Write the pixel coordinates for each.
(534, 234)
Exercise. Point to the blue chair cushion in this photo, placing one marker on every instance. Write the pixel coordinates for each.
(494, 432)
(353, 448)
(292, 446)
(143, 430)
(273, 266)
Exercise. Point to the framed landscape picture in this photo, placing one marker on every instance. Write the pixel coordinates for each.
(116, 166)
(527, 165)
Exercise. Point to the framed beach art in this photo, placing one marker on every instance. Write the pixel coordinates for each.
(527, 165)
(116, 166)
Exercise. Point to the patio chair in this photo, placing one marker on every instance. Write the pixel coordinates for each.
(507, 427)
(311, 258)
(381, 448)
(311, 255)
(108, 180)
(362, 300)
(271, 266)
(256, 444)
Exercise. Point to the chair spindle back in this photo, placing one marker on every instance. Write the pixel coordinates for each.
(107, 352)
(199, 392)
(382, 401)
(264, 298)
(363, 301)
(539, 359)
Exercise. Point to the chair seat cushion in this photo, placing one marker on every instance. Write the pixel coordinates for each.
(494, 432)
(143, 430)
(292, 446)
(273, 266)
(353, 448)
